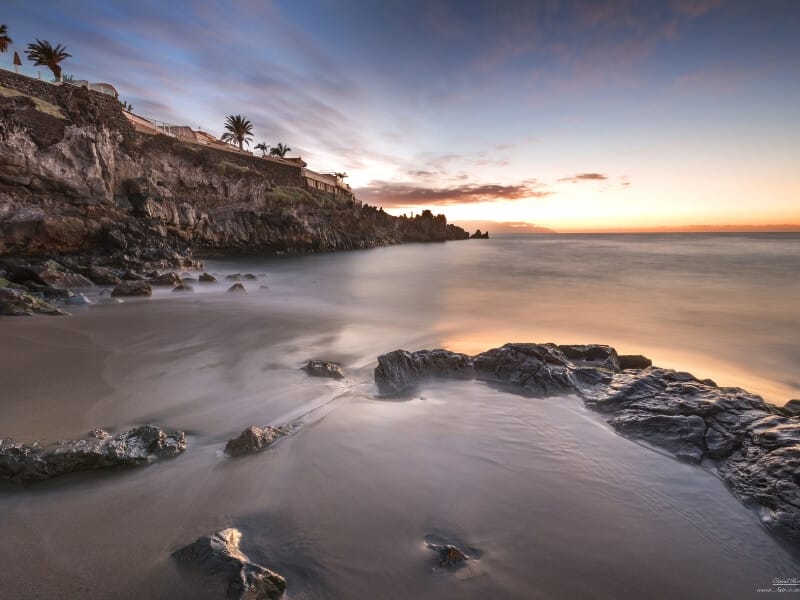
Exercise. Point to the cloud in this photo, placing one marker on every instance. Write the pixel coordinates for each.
(390, 194)
(584, 177)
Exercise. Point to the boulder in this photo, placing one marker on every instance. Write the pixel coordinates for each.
(168, 278)
(207, 278)
(130, 275)
(183, 288)
(254, 439)
(634, 361)
(133, 288)
(323, 368)
(237, 288)
(103, 275)
(219, 555)
(400, 370)
(449, 556)
(15, 302)
(26, 463)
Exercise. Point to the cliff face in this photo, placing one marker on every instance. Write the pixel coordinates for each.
(75, 178)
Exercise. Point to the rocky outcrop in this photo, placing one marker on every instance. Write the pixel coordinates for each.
(478, 235)
(324, 368)
(76, 179)
(133, 288)
(17, 303)
(26, 463)
(753, 446)
(219, 555)
(254, 439)
(237, 288)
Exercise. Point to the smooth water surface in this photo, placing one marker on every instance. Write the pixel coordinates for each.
(554, 503)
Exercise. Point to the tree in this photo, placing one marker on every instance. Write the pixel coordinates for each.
(279, 150)
(263, 147)
(239, 131)
(43, 54)
(5, 41)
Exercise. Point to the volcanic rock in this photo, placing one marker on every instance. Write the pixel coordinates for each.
(25, 463)
(323, 368)
(254, 439)
(220, 555)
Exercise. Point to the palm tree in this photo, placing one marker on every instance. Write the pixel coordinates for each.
(263, 147)
(43, 54)
(5, 41)
(279, 150)
(240, 131)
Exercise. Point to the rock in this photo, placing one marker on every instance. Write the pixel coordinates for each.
(133, 276)
(449, 556)
(539, 369)
(237, 288)
(400, 370)
(681, 435)
(183, 287)
(25, 463)
(168, 278)
(103, 275)
(250, 276)
(322, 368)
(634, 361)
(754, 446)
(133, 288)
(234, 277)
(254, 439)
(220, 555)
(18, 303)
(63, 280)
(791, 408)
(189, 280)
(207, 278)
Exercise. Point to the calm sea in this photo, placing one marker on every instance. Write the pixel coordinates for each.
(554, 503)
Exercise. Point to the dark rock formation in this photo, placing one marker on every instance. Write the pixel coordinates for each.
(479, 236)
(183, 287)
(449, 556)
(400, 370)
(753, 446)
(254, 439)
(323, 368)
(133, 288)
(165, 279)
(237, 288)
(219, 555)
(18, 303)
(25, 463)
(207, 278)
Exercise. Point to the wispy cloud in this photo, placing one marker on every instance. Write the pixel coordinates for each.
(395, 195)
(584, 177)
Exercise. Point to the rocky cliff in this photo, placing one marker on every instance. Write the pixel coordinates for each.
(76, 179)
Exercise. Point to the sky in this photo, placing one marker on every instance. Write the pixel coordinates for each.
(570, 115)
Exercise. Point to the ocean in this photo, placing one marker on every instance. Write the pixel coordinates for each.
(551, 500)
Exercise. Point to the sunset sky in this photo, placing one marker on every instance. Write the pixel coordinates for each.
(570, 115)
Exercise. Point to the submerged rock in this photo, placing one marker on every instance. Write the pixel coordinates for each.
(237, 288)
(449, 556)
(323, 368)
(133, 288)
(220, 555)
(754, 446)
(183, 287)
(207, 278)
(14, 302)
(254, 439)
(25, 463)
